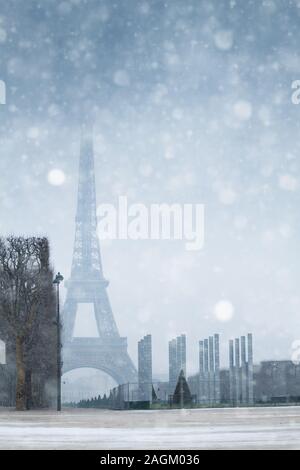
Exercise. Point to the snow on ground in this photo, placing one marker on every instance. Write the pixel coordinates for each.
(258, 428)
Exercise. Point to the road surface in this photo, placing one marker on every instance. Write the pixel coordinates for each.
(256, 428)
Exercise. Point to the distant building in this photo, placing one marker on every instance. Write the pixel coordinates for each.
(277, 382)
(145, 368)
(241, 371)
(177, 360)
(209, 371)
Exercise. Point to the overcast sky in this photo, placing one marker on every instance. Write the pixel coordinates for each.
(193, 105)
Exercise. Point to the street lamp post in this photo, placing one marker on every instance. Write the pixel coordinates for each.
(58, 279)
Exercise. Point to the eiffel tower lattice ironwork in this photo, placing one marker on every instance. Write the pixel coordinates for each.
(87, 287)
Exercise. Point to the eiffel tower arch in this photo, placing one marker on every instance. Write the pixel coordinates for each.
(88, 287)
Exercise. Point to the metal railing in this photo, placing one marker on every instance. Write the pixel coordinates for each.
(137, 396)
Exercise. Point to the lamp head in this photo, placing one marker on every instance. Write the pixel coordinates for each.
(58, 278)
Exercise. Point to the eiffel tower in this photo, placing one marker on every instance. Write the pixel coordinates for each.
(87, 287)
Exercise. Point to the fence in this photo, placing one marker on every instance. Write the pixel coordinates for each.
(137, 396)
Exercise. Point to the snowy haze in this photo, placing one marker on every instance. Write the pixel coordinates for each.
(193, 105)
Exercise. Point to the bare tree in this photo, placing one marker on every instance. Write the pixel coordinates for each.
(24, 293)
(41, 347)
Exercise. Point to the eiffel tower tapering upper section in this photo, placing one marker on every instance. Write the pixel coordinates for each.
(87, 262)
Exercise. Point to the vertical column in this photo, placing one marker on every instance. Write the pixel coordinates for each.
(183, 354)
(148, 361)
(206, 373)
(145, 368)
(217, 369)
(149, 339)
(178, 355)
(211, 370)
(172, 365)
(231, 373)
(244, 370)
(250, 370)
(201, 371)
(140, 369)
(237, 370)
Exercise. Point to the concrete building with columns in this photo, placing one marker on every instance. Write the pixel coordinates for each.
(241, 371)
(145, 368)
(177, 360)
(209, 371)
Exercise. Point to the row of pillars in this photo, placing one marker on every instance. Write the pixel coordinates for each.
(177, 360)
(209, 370)
(241, 370)
(145, 368)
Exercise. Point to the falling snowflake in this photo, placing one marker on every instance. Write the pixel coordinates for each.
(243, 110)
(56, 177)
(224, 311)
(224, 40)
(121, 78)
(288, 182)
